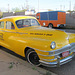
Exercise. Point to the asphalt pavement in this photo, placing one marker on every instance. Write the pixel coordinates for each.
(68, 30)
(66, 69)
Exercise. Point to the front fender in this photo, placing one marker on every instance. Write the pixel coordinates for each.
(71, 38)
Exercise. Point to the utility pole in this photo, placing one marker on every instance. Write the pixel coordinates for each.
(74, 7)
(64, 8)
(27, 6)
(60, 7)
(70, 6)
(8, 8)
(24, 5)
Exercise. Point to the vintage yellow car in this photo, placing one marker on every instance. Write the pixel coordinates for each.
(39, 45)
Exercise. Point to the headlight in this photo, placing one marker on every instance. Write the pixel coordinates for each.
(44, 24)
(53, 45)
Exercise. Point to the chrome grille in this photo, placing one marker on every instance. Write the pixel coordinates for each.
(63, 49)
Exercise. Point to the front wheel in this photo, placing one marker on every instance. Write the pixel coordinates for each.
(50, 26)
(32, 57)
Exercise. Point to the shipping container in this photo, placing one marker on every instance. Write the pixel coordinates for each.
(52, 18)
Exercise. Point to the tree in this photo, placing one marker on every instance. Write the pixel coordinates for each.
(16, 9)
(1, 14)
(69, 10)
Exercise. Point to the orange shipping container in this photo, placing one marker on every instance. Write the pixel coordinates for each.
(52, 18)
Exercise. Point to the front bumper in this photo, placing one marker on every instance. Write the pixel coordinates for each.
(61, 25)
(58, 62)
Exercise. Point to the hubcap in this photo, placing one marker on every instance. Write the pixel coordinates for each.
(50, 26)
(33, 58)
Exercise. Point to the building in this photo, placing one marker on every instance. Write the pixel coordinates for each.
(70, 19)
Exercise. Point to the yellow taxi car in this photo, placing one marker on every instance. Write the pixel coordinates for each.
(39, 45)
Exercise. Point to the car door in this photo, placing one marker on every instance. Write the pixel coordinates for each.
(10, 35)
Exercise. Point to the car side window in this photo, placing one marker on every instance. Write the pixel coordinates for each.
(9, 25)
(2, 24)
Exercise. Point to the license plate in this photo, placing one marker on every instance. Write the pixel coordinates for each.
(65, 54)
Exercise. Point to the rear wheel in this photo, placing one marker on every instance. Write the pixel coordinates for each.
(50, 26)
(32, 57)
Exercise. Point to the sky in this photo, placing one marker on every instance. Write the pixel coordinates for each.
(38, 4)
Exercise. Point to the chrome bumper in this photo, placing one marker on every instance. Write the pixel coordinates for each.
(56, 54)
(58, 62)
(61, 25)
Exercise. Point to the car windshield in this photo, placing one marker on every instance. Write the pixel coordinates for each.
(26, 23)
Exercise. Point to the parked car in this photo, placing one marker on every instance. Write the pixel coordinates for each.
(39, 45)
(52, 18)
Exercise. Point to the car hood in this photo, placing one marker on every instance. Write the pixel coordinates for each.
(43, 33)
(44, 36)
